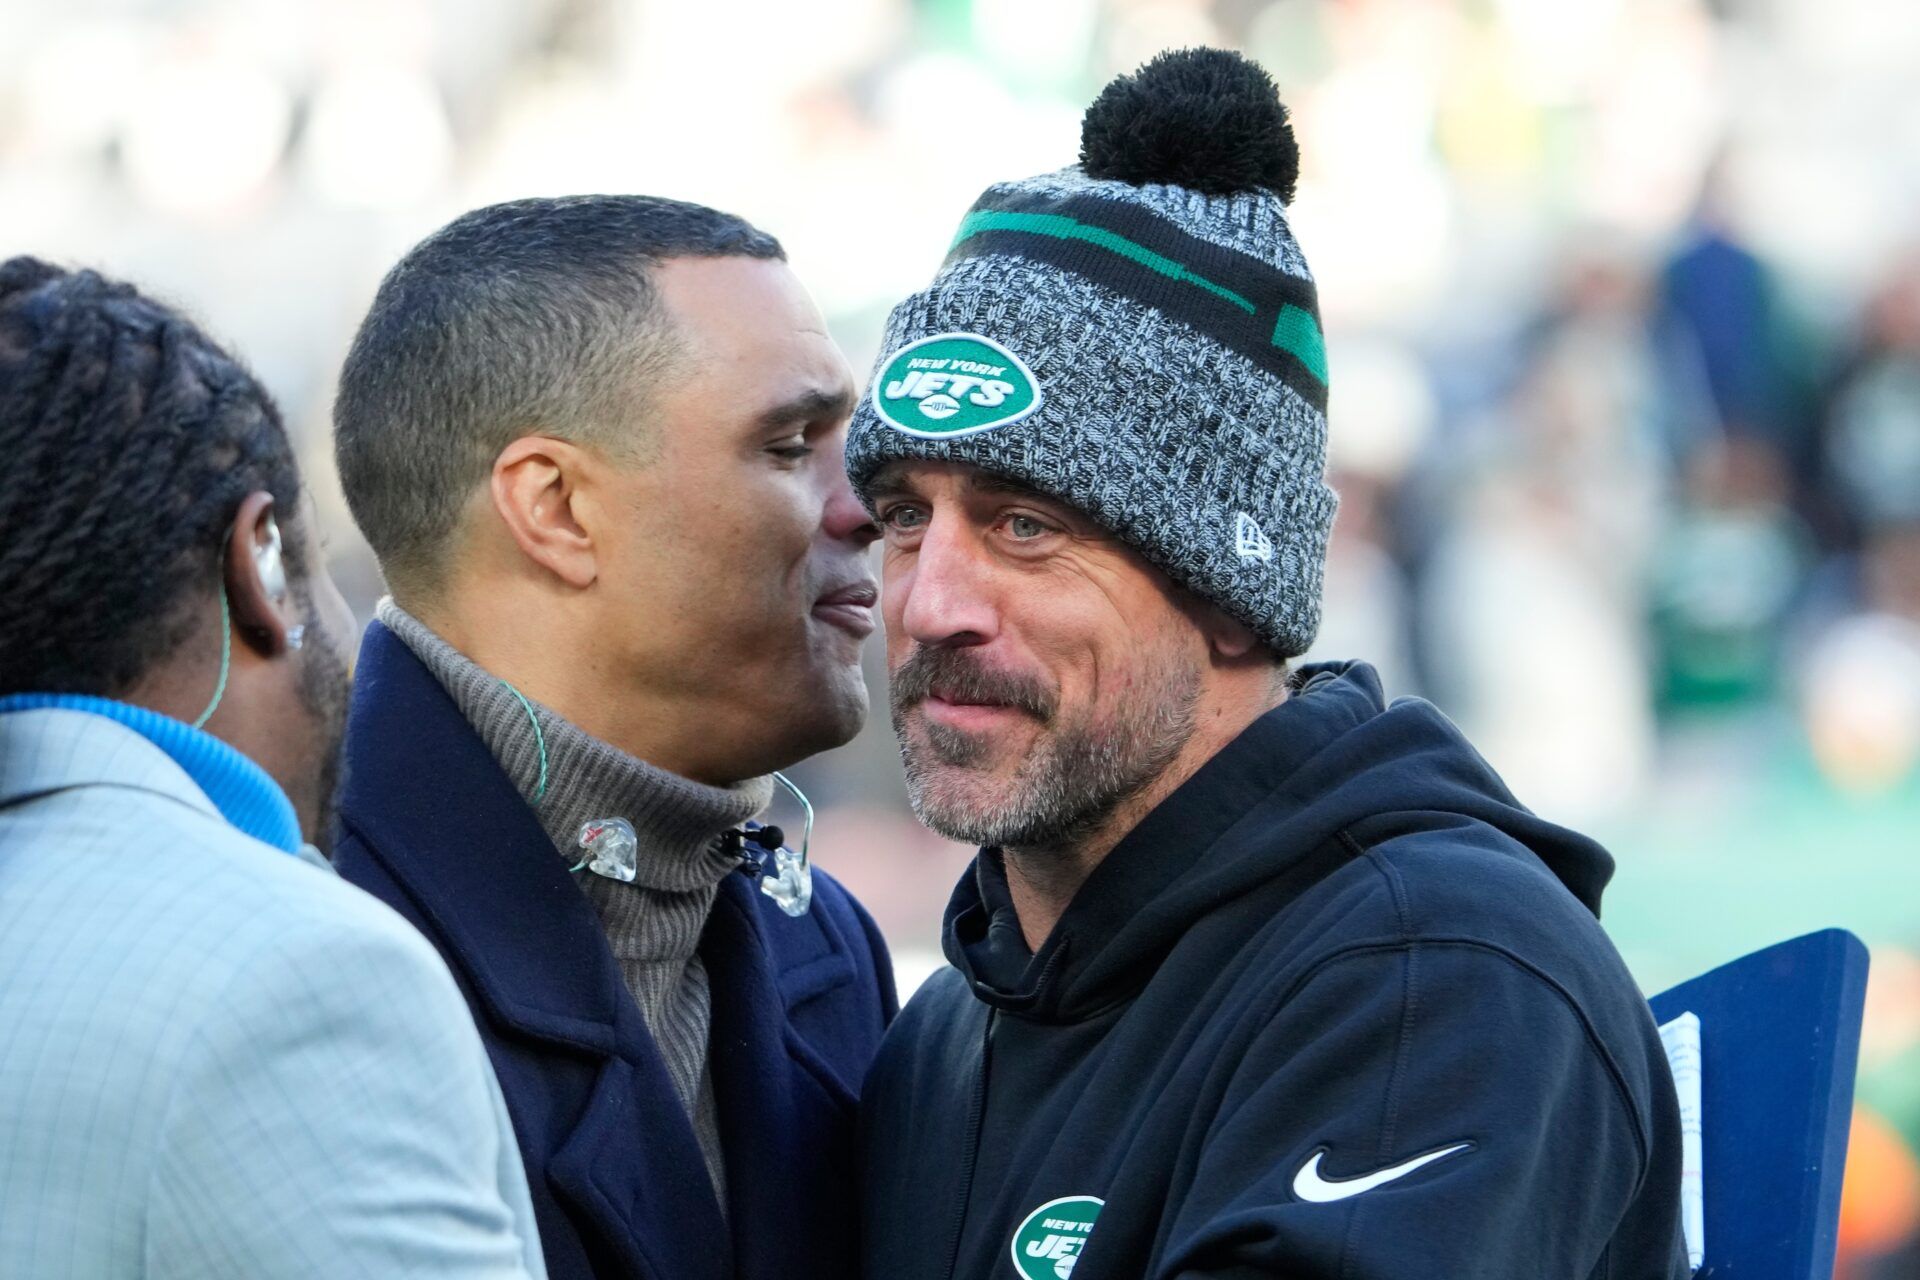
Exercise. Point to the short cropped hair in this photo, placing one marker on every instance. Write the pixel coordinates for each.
(128, 440)
(534, 315)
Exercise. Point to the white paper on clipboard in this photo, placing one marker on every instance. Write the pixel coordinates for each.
(1681, 1038)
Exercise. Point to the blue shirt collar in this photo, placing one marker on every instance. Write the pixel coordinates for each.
(244, 793)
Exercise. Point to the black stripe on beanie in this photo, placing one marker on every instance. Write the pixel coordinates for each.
(1268, 315)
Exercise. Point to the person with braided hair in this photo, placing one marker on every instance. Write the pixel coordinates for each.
(216, 1057)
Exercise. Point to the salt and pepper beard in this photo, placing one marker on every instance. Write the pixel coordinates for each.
(1074, 777)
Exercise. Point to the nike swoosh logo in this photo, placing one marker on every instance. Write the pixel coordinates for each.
(1311, 1187)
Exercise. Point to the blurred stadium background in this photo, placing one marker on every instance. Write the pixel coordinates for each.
(1623, 301)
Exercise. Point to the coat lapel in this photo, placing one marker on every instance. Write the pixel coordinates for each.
(433, 806)
(632, 1169)
(786, 1120)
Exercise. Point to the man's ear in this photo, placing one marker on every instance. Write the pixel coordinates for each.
(259, 597)
(1229, 638)
(536, 489)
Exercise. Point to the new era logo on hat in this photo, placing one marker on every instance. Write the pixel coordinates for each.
(1249, 540)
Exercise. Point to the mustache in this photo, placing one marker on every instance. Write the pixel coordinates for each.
(958, 676)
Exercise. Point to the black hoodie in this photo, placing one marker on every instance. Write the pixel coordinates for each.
(1339, 1007)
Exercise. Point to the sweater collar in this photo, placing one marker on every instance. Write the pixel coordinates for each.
(244, 793)
(675, 819)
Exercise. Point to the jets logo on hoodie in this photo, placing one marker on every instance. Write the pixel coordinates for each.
(1048, 1243)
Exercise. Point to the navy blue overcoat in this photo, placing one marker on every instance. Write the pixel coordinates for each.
(430, 824)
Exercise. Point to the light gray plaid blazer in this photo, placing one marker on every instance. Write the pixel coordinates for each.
(218, 1060)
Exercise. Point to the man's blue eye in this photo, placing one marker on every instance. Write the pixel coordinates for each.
(903, 517)
(1026, 527)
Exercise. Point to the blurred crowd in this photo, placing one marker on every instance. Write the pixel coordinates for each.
(1623, 309)
(1667, 546)
(1667, 502)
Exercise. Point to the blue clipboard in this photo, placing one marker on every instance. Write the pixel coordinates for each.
(1780, 1040)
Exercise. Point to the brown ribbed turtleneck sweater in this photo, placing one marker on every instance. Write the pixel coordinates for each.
(653, 925)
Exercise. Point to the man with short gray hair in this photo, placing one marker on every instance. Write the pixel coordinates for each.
(596, 443)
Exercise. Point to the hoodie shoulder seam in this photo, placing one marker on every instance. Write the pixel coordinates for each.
(1396, 888)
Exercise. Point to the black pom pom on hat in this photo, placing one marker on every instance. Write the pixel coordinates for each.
(1207, 119)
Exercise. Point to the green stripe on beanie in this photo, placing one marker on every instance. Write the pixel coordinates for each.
(1298, 332)
(1063, 228)
(1266, 312)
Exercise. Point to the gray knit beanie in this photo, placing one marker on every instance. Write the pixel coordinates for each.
(1137, 336)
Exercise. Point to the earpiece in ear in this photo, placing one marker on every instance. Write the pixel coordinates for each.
(267, 559)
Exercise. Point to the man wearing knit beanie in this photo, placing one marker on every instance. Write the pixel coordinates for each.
(1255, 974)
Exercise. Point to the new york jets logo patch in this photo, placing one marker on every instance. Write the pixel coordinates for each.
(954, 384)
(1049, 1242)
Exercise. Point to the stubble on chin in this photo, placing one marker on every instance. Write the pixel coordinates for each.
(1065, 784)
(948, 786)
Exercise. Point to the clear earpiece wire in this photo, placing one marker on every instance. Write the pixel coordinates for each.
(790, 880)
